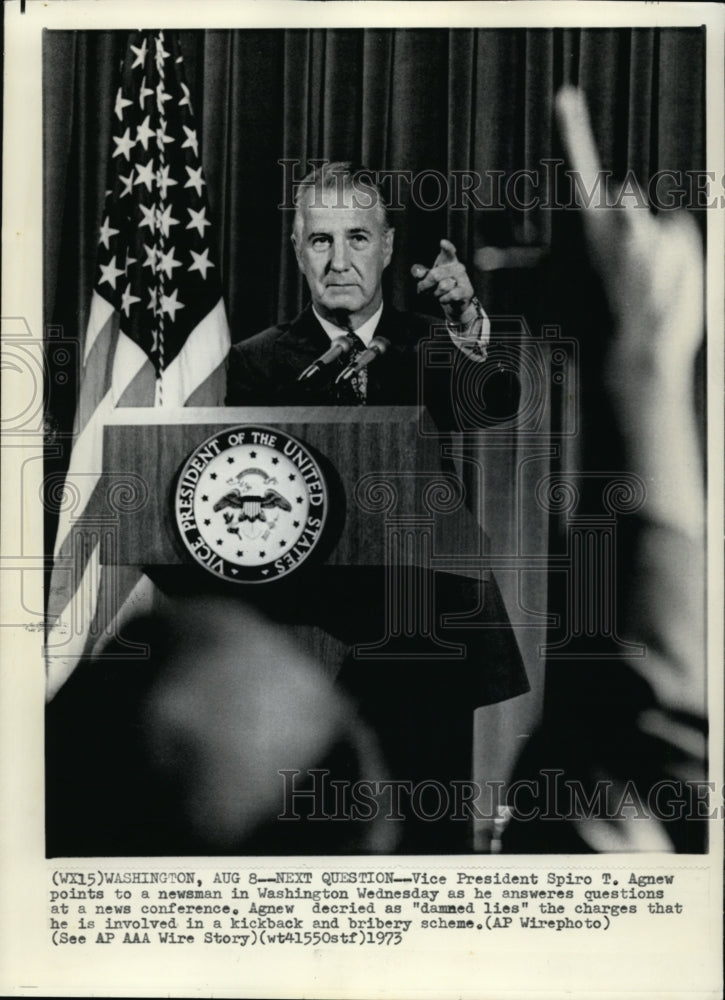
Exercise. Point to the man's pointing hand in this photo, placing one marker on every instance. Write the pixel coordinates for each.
(448, 281)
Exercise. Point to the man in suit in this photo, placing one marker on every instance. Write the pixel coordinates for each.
(420, 710)
(343, 239)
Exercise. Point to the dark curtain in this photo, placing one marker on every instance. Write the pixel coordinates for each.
(407, 100)
(398, 100)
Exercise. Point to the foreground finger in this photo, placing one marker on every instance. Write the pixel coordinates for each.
(581, 150)
(576, 134)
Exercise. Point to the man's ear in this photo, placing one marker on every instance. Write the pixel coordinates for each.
(296, 245)
(388, 240)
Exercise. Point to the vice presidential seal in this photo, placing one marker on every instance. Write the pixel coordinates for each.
(250, 504)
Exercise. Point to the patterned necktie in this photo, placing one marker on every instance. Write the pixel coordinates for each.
(360, 380)
(353, 391)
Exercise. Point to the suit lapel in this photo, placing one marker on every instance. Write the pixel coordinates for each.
(301, 343)
(391, 378)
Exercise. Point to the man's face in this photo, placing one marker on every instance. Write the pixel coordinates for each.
(342, 249)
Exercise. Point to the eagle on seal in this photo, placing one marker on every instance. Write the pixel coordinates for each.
(250, 508)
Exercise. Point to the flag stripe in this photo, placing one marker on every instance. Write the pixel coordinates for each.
(95, 378)
(126, 594)
(141, 388)
(66, 643)
(101, 311)
(87, 456)
(205, 349)
(214, 387)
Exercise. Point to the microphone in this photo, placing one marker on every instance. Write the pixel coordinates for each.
(340, 347)
(378, 346)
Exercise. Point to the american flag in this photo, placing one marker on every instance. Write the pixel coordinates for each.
(157, 332)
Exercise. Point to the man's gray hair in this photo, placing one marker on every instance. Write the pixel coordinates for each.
(338, 176)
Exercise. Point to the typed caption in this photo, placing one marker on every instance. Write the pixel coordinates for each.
(238, 908)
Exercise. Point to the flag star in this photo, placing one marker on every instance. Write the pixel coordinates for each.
(164, 220)
(195, 179)
(140, 54)
(161, 96)
(109, 273)
(127, 184)
(162, 139)
(129, 261)
(144, 133)
(145, 174)
(152, 304)
(163, 180)
(143, 93)
(167, 263)
(161, 54)
(170, 304)
(201, 262)
(198, 220)
(121, 103)
(151, 255)
(127, 299)
(124, 144)
(186, 99)
(149, 217)
(191, 140)
(106, 232)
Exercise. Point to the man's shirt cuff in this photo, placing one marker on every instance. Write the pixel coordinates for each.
(473, 337)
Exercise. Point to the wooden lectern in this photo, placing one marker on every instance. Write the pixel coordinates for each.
(393, 504)
(382, 465)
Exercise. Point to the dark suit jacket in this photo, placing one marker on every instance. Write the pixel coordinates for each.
(263, 369)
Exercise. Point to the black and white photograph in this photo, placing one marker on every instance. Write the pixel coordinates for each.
(370, 413)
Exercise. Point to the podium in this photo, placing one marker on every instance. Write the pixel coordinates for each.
(395, 512)
(389, 496)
